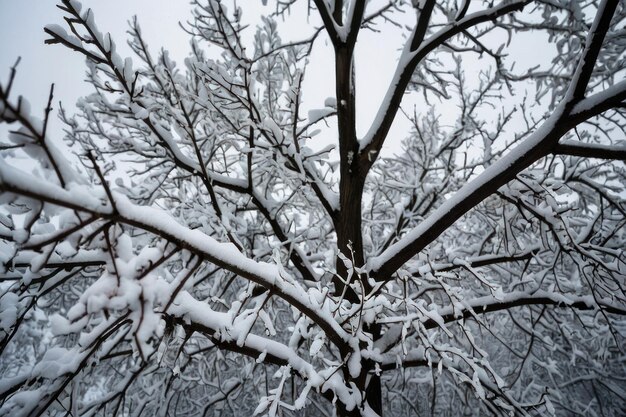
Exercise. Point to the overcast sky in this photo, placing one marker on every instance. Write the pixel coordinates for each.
(21, 34)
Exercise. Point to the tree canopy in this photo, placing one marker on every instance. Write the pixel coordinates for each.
(205, 241)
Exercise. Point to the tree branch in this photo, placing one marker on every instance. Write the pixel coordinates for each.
(199, 317)
(488, 304)
(159, 223)
(590, 150)
(414, 51)
(536, 146)
(593, 44)
(329, 21)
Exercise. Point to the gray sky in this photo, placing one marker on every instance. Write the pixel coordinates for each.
(21, 34)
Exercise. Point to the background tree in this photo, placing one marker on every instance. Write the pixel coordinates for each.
(204, 253)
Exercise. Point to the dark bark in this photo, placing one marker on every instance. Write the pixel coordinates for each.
(348, 224)
(373, 390)
(342, 412)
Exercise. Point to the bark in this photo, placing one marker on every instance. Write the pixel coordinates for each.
(348, 227)
(352, 180)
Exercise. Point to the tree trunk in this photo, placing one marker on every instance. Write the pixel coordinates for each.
(342, 412)
(351, 180)
(373, 391)
(348, 223)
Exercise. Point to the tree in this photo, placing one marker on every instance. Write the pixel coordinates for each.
(202, 252)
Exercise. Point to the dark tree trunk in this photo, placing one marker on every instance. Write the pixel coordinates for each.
(348, 223)
(373, 391)
(348, 226)
(342, 412)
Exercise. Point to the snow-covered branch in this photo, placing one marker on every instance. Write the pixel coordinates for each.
(503, 170)
(209, 241)
(224, 255)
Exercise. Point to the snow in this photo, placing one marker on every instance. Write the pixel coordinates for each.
(185, 306)
(62, 33)
(316, 115)
(57, 361)
(299, 325)
(597, 100)
(453, 208)
(223, 254)
(9, 305)
(330, 102)
(159, 222)
(15, 179)
(316, 346)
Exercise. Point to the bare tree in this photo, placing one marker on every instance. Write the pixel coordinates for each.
(201, 253)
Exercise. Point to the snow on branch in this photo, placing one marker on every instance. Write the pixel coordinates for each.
(161, 224)
(507, 167)
(198, 245)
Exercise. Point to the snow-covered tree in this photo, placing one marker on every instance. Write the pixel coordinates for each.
(214, 244)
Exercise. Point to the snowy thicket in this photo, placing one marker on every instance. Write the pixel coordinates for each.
(205, 250)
